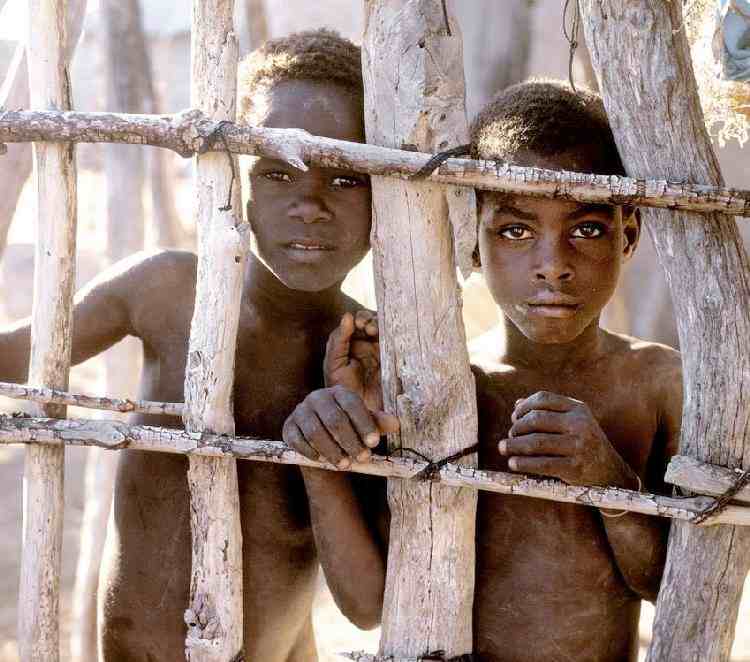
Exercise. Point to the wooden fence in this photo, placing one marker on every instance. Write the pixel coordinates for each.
(661, 143)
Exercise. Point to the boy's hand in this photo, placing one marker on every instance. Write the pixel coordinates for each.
(353, 358)
(554, 435)
(335, 425)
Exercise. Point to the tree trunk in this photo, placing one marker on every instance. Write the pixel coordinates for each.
(426, 376)
(257, 22)
(54, 277)
(214, 618)
(656, 117)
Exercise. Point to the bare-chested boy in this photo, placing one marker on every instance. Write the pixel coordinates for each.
(311, 228)
(564, 398)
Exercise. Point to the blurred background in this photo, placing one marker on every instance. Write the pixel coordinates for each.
(134, 56)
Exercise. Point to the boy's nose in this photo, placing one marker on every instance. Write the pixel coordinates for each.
(553, 267)
(310, 210)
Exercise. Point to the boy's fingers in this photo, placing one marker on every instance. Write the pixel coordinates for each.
(557, 467)
(338, 345)
(387, 423)
(539, 420)
(318, 437)
(366, 322)
(538, 443)
(294, 438)
(543, 400)
(362, 420)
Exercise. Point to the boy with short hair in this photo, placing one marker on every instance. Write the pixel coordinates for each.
(564, 398)
(311, 229)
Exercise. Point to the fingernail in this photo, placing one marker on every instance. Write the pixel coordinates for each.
(364, 455)
(503, 446)
(372, 439)
(344, 463)
(512, 464)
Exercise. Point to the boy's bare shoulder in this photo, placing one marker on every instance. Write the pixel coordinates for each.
(652, 363)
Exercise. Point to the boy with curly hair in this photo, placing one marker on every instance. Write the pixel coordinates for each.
(564, 398)
(311, 228)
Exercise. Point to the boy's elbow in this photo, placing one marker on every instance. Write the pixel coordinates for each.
(645, 585)
(365, 614)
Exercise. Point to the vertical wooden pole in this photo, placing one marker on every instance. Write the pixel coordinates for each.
(214, 616)
(641, 57)
(414, 94)
(54, 276)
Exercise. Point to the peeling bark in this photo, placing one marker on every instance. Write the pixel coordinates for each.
(649, 91)
(191, 132)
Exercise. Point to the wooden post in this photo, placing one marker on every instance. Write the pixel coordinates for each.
(54, 277)
(214, 617)
(414, 94)
(640, 54)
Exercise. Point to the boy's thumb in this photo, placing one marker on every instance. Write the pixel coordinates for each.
(386, 422)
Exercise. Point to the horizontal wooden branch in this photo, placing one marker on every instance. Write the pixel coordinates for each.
(690, 474)
(53, 396)
(190, 132)
(116, 435)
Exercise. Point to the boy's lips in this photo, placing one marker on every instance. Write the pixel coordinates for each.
(309, 245)
(553, 304)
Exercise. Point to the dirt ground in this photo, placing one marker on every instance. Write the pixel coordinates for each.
(333, 631)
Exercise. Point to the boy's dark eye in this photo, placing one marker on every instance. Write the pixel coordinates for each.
(346, 182)
(515, 232)
(277, 176)
(589, 230)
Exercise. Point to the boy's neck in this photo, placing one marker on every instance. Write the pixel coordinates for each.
(552, 359)
(268, 296)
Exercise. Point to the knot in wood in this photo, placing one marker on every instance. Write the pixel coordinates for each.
(193, 132)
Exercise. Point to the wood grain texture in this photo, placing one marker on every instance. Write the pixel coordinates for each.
(54, 278)
(414, 95)
(214, 616)
(649, 90)
(702, 478)
(191, 132)
(116, 435)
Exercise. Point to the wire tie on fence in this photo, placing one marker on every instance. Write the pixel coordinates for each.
(572, 36)
(438, 159)
(218, 132)
(433, 467)
(720, 503)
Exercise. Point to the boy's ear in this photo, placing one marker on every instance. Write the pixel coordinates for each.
(631, 230)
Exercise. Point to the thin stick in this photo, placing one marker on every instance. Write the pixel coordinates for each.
(58, 397)
(49, 364)
(190, 132)
(116, 435)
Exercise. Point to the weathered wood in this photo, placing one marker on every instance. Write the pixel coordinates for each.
(54, 277)
(650, 94)
(414, 94)
(14, 93)
(59, 397)
(190, 132)
(690, 474)
(117, 435)
(214, 617)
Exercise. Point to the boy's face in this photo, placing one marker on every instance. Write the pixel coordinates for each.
(552, 265)
(312, 227)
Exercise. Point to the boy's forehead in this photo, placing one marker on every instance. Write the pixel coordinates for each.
(321, 108)
(538, 206)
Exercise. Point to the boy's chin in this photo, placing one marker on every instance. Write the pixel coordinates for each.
(551, 332)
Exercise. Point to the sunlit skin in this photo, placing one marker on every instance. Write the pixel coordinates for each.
(564, 399)
(291, 302)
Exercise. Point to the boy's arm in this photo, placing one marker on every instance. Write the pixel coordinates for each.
(639, 542)
(349, 514)
(557, 436)
(102, 315)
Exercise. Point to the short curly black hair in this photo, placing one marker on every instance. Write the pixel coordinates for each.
(546, 117)
(320, 55)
